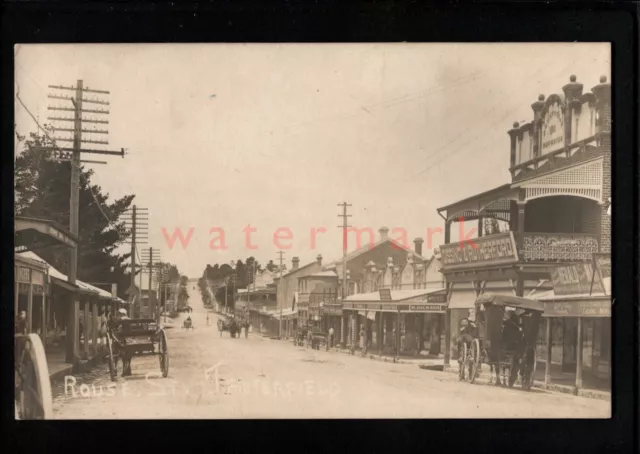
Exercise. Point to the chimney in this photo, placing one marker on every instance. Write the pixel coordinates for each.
(384, 233)
(319, 259)
(295, 263)
(417, 245)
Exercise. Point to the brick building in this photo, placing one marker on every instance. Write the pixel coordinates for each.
(556, 209)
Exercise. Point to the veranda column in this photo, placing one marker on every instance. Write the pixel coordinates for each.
(519, 245)
(547, 367)
(86, 328)
(398, 333)
(579, 356)
(43, 333)
(94, 327)
(30, 304)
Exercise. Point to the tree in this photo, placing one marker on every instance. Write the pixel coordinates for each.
(41, 189)
(272, 267)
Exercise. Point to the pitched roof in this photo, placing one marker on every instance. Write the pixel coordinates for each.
(369, 247)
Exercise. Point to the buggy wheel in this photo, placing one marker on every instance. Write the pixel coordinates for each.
(33, 399)
(163, 354)
(113, 359)
(476, 359)
(462, 361)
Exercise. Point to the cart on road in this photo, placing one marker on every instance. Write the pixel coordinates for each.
(506, 334)
(135, 337)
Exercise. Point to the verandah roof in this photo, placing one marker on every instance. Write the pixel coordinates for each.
(495, 203)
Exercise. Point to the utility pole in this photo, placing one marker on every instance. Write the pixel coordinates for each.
(152, 256)
(344, 228)
(72, 155)
(280, 324)
(136, 221)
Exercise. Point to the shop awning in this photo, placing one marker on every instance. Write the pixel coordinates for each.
(34, 233)
(511, 301)
(386, 295)
(464, 299)
(61, 279)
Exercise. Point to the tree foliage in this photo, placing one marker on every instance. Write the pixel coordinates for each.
(219, 278)
(42, 189)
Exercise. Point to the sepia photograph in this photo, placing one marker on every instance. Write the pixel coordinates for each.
(312, 231)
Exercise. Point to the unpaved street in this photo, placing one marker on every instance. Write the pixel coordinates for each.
(215, 377)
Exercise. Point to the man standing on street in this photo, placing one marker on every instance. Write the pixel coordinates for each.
(331, 335)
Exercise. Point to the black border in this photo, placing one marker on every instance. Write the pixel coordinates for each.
(29, 21)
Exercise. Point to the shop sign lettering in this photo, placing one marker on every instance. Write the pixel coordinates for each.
(389, 307)
(576, 279)
(436, 298)
(55, 233)
(578, 309)
(553, 129)
(427, 307)
(603, 264)
(23, 274)
(500, 248)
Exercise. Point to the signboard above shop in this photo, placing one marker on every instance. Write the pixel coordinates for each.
(576, 280)
(552, 128)
(499, 249)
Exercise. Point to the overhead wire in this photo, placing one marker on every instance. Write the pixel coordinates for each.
(482, 117)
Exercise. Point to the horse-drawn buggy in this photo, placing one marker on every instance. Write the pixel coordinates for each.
(504, 338)
(188, 324)
(229, 324)
(135, 337)
(319, 338)
(33, 399)
(301, 336)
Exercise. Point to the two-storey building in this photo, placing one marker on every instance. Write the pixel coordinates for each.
(556, 209)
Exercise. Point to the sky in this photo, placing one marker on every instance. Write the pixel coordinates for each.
(275, 136)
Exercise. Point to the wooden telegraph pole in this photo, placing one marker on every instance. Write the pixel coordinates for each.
(136, 220)
(345, 281)
(280, 253)
(152, 257)
(72, 155)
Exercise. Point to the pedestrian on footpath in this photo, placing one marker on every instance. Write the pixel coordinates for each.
(331, 336)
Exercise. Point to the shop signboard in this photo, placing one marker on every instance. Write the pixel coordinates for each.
(552, 128)
(385, 294)
(389, 307)
(575, 280)
(55, 233)
(429, 308)
(437, 298)
(499, 249)
(602, 262)
(23, 274)
(584, 308)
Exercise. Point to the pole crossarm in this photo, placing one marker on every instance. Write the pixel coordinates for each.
(85, 89)
(99, 142)
(71, 109)
(88, 131)
(102, 122)
(82, 150)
